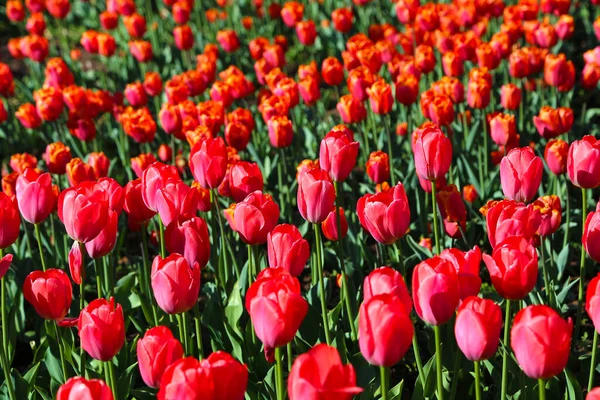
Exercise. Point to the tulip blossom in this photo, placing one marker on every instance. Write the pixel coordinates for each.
(591, 234)
(190, 239)
(287, 248)
(316, 195)
(583, 166)
(49, 292)
(175, 283)
(244, 178)
(521, 174)
(330, 225)
(85, 389)
(208, 162)
(477, 328)
(507, 218)
(102, 329)
(155, 352)
(83, 210)
(385, 215)
(387, 280)
(255, 217)
(432, 152)
(338, 153)
(467, 266)
(551, 212)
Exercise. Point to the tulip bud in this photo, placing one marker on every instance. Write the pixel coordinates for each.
(510, 96)
(316, 195)
(102, 329)
(175, 283)
(287, 249)
(208, 162)
(521, 174)
(380, 97)
(83, 210)
(255, 217)
(432, 152)
(508, 218)
(477, 328)
(330, 228)
(35, 196)
(385, 215)
(338, 153)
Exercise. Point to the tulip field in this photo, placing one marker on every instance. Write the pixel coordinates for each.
(304, 200)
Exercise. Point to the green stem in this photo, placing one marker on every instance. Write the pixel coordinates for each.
(198, 325)
(321, 283)
(279, 374)
(146, 274)
(385, 386)
(182, 335)
(59, 341)
(4, 347)
(82, 369)
(435, 218)
(438, 363)
(593, 362)
(477, 384)
(566, 195)
(109, 276)
(113, 381)
(161, 231)
(184, 322)
(289, 356)
(40, 248)
(505, 352)
(542, 389)
(97, 267)
(545, 274)
(389, 146)
(418, 360)
(581, 267)
(222, 253)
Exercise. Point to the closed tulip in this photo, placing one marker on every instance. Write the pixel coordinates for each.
(79, 171)
(385, 330)
(432, 152)
(244, 178)
(79, 388)
(552, 122)
(49, 292)
(35, 196)
(156, 351)
(507, 218)
(555, 154)
(435, 290)
(134, 204)
(592, 302)
(306, 32)
(255, 217)
(594, 394)
(102, 329)
(453, 211)
(186, 379)
(513, 268)
(190, 239)
(477, 328)
(510, 96)
(84, 211)
(380, 97)
(287, 248)
(332, 71)
(154, 177)
(316, 195)
(176, 199)
(583, 166)
(591, 234)
(467, 266)
(503, 128)
(208, 162)
(338, 153)
(281, 133)
(306, 376)
(385, 215)
(10, 222)
(57, 156)
(541, 341)
(141, 162)
(378, 167)
(521, 174)
(175, 283)
(387, 280)
(276, 307)
(229, 375)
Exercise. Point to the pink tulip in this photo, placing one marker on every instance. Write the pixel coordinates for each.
(521, 174)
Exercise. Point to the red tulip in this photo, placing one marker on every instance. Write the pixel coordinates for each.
(244, 178)
(291, 13)
(190, 239)
(477, 328)
(83, 210)
(5, 264)
(255, 217)
(76, 267)
(176, 199)
(106, 240)
(513, 268)
(287, 249)
(510, 96)
(583, 164)
(208, 162)
(84, 389)
(521, 174)
(141, 162)
(453, 210)
(435, 290)
(541, 341)
(156, 351)
(134, 204)
(100, 164)
(466, 264)
(385, 330)
(187, 379)
(320, 374)
(507, 218)
(591, 234)
(432, 152)
(35, 196)
(10, 222)
(102, 329)
(229, 375)
(330, 228)
(281, 133)
(551, 122)
(332, 71)
(49, 292)
(338, 153)
(306, 32)
(593, 394)
(385, 215)
(503, 128)
(154, 178)
(175, 283)
(57, 156)
(380, 97)
(351, 109)
(276, 307)
(387, 280)
(378, 167)
(316, 195)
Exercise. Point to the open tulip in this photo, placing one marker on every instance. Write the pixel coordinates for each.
(244, 178)
(477, 328)
(306, 377)
(435, 290)
(513, 268)
(521, 174)
(385, 215)
(541, 340)
(507, 218)
(175, 283)
(255, 217)
(49, 292)
(287, 248)
(102, 329)
(155, 352)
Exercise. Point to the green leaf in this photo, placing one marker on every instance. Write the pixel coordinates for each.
(124, 381)
(52, 361)
(395, 393)
(561, 261)
(573, 391)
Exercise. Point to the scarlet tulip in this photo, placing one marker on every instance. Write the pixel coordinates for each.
(291, 13)
(10, 222)
(229, 375)
(521, 174)
(208, 162)
(551, 122)
(380, 97)
(541, 340)
(175, 283)
(385, 330)
(305, 379)
(228, 39)
(503, 128)
(385, 215)
(175, 199)
(237, 135)
(134, 204)
(510, 96)
(156, 351)
(102, 329)
(332, 71)
(281, 132)
(276, 307)
(342, 19)
(338, 153)
(28, 116)
(477, 328)
(84, 389)
(432, 153)
(306, 32)
(453, 210)
(351, 109)
(104, 243)
(287, 249)
(583, 166)
(49, 292)
(83, 210)
(435, 290)
(5, 264)
(387, 280)
(467, 266)
(513, 268)
(35, 196)
(378, 167)
(316, 195)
